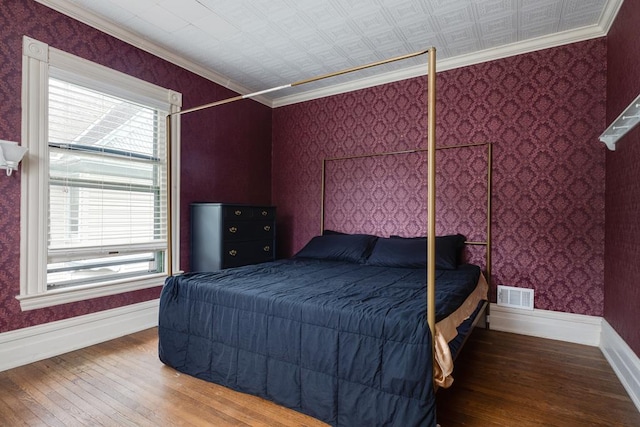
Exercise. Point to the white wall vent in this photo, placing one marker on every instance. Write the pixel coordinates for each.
(509, 296)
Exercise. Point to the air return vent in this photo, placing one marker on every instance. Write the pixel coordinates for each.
(509, 296)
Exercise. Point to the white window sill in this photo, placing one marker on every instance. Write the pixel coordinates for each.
(80, 293)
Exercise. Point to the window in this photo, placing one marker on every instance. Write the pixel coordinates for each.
(94, 185)
(106, 174)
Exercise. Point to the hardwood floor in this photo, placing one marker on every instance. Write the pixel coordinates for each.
(501, 379)
(123, 383)
(506, 379)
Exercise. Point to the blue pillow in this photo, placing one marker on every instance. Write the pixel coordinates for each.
(339, 247)
(327, 232)
(412, 252)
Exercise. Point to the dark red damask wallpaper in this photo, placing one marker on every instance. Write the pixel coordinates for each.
(225, 153)
(622, 244)
(543, 112)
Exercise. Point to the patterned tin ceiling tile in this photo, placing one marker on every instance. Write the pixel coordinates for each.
(250, 45)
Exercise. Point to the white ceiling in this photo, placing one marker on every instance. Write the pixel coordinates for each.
(251, 45)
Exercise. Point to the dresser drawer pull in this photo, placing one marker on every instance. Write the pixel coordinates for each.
(233, 229)
(238, 212)
(267, 228)
(233, 252)
(266, 248)
(265, 213)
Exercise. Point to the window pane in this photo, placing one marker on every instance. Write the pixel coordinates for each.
(99, 167)
(100, 269)
(81, 216)
(84, 117)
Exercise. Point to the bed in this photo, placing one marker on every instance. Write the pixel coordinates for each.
(346, 330)
(337, 332)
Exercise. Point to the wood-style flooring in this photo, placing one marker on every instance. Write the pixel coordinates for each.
(501, 380)
(504, 379)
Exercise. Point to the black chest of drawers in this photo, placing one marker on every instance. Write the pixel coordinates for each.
(226, 235)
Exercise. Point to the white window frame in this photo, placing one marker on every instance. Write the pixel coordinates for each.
(37, 57)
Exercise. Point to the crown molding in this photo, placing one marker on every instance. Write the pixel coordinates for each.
(611, 9)
(513, 49)
(73, 11)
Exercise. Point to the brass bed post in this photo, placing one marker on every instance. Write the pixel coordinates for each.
(487, 311)
(169, 198)
(324, 165)
(489, 195)
(431, 197)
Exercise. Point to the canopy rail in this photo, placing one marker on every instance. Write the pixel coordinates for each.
(301, 82)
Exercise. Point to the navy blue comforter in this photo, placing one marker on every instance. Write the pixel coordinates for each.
(345, 343)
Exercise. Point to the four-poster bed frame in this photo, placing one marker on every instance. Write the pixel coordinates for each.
(172, 334)
(431, 162)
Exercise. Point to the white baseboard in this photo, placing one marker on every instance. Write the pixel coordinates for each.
(39, 342)
(575, 328)
(623, 360)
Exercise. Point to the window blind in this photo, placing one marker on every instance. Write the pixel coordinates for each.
(107, 192)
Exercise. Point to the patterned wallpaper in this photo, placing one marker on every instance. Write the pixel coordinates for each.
(622, 244)
(543, 112)
(224, 153)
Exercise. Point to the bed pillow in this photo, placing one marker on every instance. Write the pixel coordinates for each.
(449, 251)
(328, 232)
(412, 252)
(339, 247)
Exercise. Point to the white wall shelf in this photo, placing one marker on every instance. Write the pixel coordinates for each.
(626, 121)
